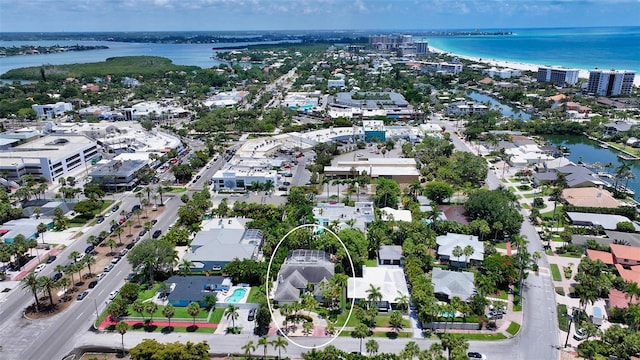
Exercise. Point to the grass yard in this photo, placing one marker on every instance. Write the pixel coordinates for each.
(371, 263)
(353, 321)
(513, 328)
(252, 294)
(149, 293)
(383, 321)
(529, 196)
(517, 307)
(181, 313)
(481, 337)
(167, 329)
(555, 272)
(216, 316)
(563, 321)
(501, 295)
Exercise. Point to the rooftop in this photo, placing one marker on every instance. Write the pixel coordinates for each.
(390, 280)
(589, 197)
(51, 146)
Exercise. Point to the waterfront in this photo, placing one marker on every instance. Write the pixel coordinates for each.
(590, 152)
(506, 110)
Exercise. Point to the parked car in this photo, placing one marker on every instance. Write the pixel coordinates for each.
(89, 249)
(476, 355)
(580, 335)
(57, 276)
(122, 220)
(108, 268)
(156, 234)
(252, 315)
(100, 276)
(130, 245)
(93, 284)
(115, 260)
(113, 294)
(51, 259)
(123, 252)
(115, 208)
(80, 257)
(142, 232)
(216, 268)
(100, 220)
(82, 295)
(39, 268)
(135, 207)
(113, 227)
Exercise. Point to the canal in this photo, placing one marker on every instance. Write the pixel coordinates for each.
(506, 110)
(590, 152)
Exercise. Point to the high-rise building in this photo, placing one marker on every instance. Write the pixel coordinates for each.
(610, 82)
(558, 75)
(390, 41)
(422, 47)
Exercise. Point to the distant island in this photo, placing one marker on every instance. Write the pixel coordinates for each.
(212, 37)
(35, 50)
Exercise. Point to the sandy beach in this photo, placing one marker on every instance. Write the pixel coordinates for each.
(583, 73)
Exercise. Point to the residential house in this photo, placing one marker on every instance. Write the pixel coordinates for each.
(447, 244)
(576, 176)
(390, 255)
(614, 127)
(391, 214)
(606, 221)
(389, 280)
(221, 241)
(302, 271)
(589, 197)
(361, 215)
(447, 284)
(187, 289)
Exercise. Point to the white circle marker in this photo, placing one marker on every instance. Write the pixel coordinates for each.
(353, 273)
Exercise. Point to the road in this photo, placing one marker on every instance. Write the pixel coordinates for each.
(538, 337)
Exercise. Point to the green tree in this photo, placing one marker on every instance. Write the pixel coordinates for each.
(231, 312)
(360, 332)
(121, 328)
(249, 348)
(168, 311)
(395, 320)
(193, 309)
(264, 342)
(139, 307)
(438, 191)
(372, 347)
(279, 344)
(387, 193)
(151, 308)
(31, 282)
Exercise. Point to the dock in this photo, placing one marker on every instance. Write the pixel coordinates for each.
(624, 155)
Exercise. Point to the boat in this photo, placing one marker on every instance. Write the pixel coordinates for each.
(605, 175)
(604, 146)
(627, 157)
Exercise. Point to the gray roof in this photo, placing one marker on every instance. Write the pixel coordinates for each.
(390, 252)
(578, 175)
(385, 99)
(618, 125)
(362, 213)
(607, 221)
(118, 168)
(300, 268)
(286, 293)
(446, 244)
(453, 283)
(192, 288)
(224, 245)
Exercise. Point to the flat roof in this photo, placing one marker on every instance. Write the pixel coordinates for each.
(49, 146)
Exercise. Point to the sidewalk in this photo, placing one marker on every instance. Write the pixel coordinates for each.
(108, 322)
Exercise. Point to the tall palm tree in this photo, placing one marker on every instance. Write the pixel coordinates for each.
(185, 267)
(468, 251)
(46, 284)
(31, 282)
(231, 312)
(264, 342)
(373, 295)
(457, 252)
(280, 344)
(632, 290)
(249, 348)
(402, 301)
(151, 308)
(118, 231)
(88, 261)
(372, 347)
(121, 328)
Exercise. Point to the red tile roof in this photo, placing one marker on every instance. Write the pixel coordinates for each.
(603, 256)
(619, 299)
(628, 275)
(625, 252)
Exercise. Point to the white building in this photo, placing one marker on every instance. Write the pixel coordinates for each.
(239, 173)
(442, 67)
(335, 83)
(225, 99)
(466, 107)
(610, 82)
(50, 111)
(50, 156)
(503, 73)
(558, 75)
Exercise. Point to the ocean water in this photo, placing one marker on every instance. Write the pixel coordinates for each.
(581, 48)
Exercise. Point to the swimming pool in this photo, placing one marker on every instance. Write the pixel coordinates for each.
(237, 295)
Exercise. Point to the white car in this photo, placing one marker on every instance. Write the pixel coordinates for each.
(113, 294)
(39, 268)
(100, 276)
(579, 335)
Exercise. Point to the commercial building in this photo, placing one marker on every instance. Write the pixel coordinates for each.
(51, 111)
(374, 130)
(118, 175)
(610, 82)
(422, 47)
(239, 173)
(442, 67)
(466, 108)
(50, 156)
(402, 170)
(560, 76)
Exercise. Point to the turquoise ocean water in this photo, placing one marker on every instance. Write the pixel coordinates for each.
(581, 48)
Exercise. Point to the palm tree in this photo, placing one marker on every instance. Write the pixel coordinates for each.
(268, 186)
(457, 252)
(46, 284)
(411, 349)
(415, 188)
(89, 260)
(64, 283)
(111, 243)
(280, 344)
(31, 282)
(151, 308)
(118, 231)
(231, 312)
(373, 295)
(468, 251)
(361, 331)
(402, 301)
(285, 311)
(372, 347)
(121, 328)
(193, 309)
(139, 307)
(73, 256)
(264, 342)
(70, 270)
(185, 267)
(249, 348)
(41, 229)
(632, 290)
(129, 224)
(160, 191)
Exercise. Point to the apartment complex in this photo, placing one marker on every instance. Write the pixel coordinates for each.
(558, 75)
(402, 42)
(50, 111)
(610, 82)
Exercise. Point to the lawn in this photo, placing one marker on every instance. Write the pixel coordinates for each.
(517, 307)
(383, 321)
(353, 321)
(252, 294)
(529, 196)
(216, 316)
(555, 272)
(181, 313)
(563, 321)
(174, 189)
(501, 295)
(383, 334)
(481, 337)
(149, 293)
(513, 328)
(371, 263)
(167, 329)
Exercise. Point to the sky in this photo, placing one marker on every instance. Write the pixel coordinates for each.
(235, 15)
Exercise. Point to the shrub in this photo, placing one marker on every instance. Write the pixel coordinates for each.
(567, 272)
(625, 226)
(303, 317)
(538, 202)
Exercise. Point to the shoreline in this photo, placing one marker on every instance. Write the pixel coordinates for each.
(582, 73)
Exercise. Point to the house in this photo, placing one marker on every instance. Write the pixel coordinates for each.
(614, 127)
(620, 300)
(603, 256)
(447, 284)
(625, 255)
(301, 272)
(186, 289)
(606, 221)
(361, 215)
(447, 244)
(626, 260)
(589, 197)
(389, 280)
(390, 214)
(221, 241)
(390, 255)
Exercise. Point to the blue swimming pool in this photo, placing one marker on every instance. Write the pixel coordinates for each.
(237, 295)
